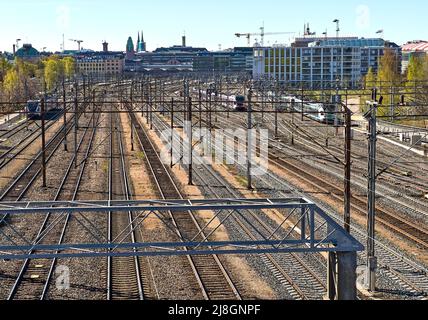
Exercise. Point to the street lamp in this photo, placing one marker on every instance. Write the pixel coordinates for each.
(325, 34)
(337, 21)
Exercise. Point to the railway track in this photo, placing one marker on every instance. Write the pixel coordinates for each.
(19, 187)
(299, 279)
(402, 202)
(291, 270)
(403, 172)
(407, 229)
(213, 279)
(14, 127)
(35, 275)
(13, 152)
(126, 276)
(409, 272)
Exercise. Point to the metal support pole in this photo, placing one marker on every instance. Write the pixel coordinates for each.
(249, 141)
(43, 108)
(171, 150)
(303, 104)
(84, 96)
(331, 276)
(346, 275)
(215, 106)
(347, 180)
(292, 120)
(64, 102)
(149, 96)
(371, 199)
(163, 97)
(228, 92)
(184, 100)
(93, 110)
(263, 102)
(76, 109)
(142, 98)
(209, 112)
(275, 105)
(75, 132)
(200, 111)
(151, 113)
(131, 97)
(392, 103)
(336, 110)
(132, 137)
(190, 141)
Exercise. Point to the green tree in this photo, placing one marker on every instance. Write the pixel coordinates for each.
(389, 76)
(4, 67)
(388, 73)
(53, 71)
(370, 79)
(69, 67)
(415, 70)
(11, 82)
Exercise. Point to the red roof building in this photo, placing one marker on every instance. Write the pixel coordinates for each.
(416, 48)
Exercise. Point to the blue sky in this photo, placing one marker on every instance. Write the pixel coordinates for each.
(206, 23)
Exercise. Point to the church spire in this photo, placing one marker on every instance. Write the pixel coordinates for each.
(138, 43)
(141, 43)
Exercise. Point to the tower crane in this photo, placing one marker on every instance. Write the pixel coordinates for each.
(78, 42)
(262, 35)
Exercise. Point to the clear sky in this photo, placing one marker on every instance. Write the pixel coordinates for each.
(206, 23)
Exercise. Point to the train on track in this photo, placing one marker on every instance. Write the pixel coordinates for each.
(236, 102)
(321, 112)
(33, 108)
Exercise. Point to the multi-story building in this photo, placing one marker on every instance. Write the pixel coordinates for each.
(100, 63)
(416, 48)
(28, 52)
(235, 60)
(321, 62)
(184, 58)
(176, 58)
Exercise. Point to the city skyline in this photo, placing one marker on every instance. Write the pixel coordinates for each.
(93, 23)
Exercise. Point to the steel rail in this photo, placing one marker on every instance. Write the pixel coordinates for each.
(122, 264)
(43, 228)
(169, 189)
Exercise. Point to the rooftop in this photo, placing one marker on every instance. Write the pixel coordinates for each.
(27, 51)
(412, 46)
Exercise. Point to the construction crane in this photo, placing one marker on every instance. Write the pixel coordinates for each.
(262, 35)
(78, 42)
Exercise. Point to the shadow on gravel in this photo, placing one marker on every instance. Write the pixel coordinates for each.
(401, 293)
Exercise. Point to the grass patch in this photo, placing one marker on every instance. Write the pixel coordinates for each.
(243, 181)
(141, 155)
(105, 166)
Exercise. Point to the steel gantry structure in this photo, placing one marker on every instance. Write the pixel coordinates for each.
(317, 232)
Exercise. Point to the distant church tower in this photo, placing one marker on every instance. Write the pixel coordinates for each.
(130, 52)
(141, 45)
(137, 47)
